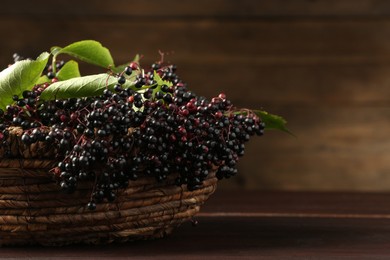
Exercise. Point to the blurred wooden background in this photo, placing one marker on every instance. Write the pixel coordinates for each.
(322, 64)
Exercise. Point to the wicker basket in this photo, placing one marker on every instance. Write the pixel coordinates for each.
(33, 210)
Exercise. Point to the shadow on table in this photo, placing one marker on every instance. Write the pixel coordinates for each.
(237, 236)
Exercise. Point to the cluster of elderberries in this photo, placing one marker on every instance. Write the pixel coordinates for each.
(125, 133)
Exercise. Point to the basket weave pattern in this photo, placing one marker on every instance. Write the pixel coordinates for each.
(33, 210)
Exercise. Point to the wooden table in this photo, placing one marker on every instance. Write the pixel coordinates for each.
(255, 225)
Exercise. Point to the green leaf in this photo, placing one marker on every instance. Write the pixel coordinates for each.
(122, 67)
(272, 121)
(137, 58)
(68, 71)
(87, 86)
(20, 76)
(54, 50)
(89, 51)
(160, 81)
(43, 79)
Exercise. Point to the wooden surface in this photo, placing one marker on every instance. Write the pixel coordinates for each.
(324, 65)
(258, 225)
